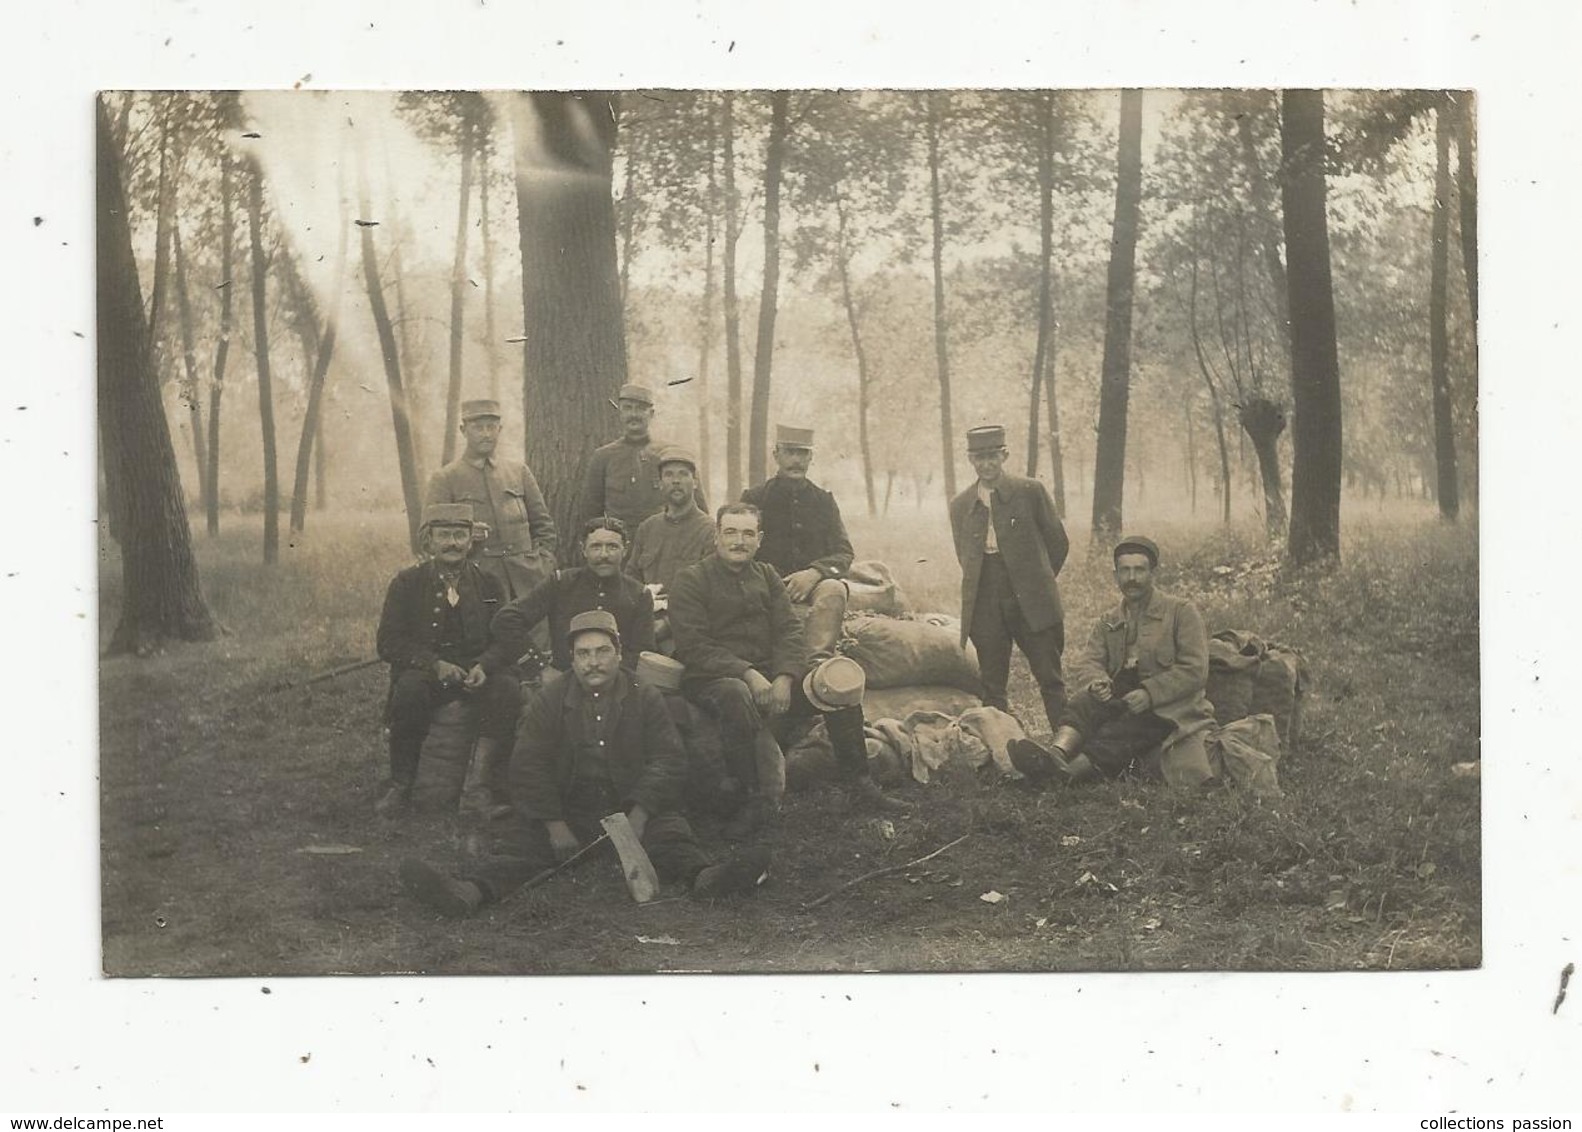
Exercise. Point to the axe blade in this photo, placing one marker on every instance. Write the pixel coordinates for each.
(641, 879)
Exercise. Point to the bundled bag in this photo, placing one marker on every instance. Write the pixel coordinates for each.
(1281, 685)
(1247, 752)
(898, 703)
(1250, 676)
(1233, 659)
(898, 654)
(871, 588)
(986, 734)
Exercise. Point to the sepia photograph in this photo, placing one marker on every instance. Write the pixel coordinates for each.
(780, 531)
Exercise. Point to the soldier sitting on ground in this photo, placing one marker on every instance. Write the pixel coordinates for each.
(593, 742)
(1141, 677)
(432, 633)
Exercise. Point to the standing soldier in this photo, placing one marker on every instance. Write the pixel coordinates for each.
(624, 475)
(519, 535)
(680, 535)
(1010, 544)
(804, 539)
(432, 633)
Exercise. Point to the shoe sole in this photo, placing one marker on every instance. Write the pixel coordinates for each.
(431, 887)
(733, 878)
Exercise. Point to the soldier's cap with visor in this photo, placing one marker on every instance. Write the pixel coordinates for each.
(639, 393)
(985, 438)
(836, 683)
(660, 671)
(676, 454)
(786, 436)
(594, 621)
(475, 410)
(1137, 544)
(447, 515)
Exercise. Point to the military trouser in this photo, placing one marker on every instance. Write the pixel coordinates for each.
(730, 701)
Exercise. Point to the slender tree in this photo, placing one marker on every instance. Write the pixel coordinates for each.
(222, 347)
(768, 303)
(189, 361)
(161, 596)
(1109, 473)
(1315, 361)
(467, 135)
(313, 417)
(933, 117)
(266, 400)
(711, 209)
(575, 354)
(1438, 332)
(733, 336)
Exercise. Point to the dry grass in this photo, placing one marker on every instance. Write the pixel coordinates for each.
(213, 782)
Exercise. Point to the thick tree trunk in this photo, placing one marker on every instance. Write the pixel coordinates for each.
(843, 266)
(763, 357)
(490, 358)
(711, 205)
(458, 298)
(1109, 472)
(1438, 330)
(575, 356)
(266, 399)
(1264, 421)
(941, 343)
(390, 351)
(222, 348)
(189, 361)
(1315, 363)
(733, 333)
(313, 418)
(628, 215)
(161, 597)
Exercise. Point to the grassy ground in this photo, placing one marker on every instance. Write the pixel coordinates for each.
(214, 784)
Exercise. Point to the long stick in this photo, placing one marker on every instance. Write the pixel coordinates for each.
(832, 893)
(343, 670)
(577, 856)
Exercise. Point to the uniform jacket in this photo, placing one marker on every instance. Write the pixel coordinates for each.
(646, 762)
(802, 528)
(558, 599)
(623, 482)
(1032, 542)
(725, 623)
(414, 609)
(520, 549)
(1172, 660)
(665, 546)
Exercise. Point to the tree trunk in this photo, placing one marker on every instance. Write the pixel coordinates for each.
(763, 358)
(889, 486)
(1109, 472)
(575, 356)
(1264, 421)
(313, 418)
(1057, 455)
(222, 348)
(843, 266)
(320, 472)
(266, 399)
(414, 376)
(1315, 363)
(490, 358)
(711, 204)
(1264, 203)
(941, 346)
(458, 297)
(1191, 454)
(1467, 191)
(164, 216)
(189, 361)
(161, 597)
(1046, 241)
(733, 333)
(390, 351)
(628, 216)
(1438, 333)
(1214, 399)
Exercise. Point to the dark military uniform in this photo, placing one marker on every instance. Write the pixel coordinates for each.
(559, 599)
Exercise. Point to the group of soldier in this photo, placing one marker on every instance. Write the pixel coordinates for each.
(606, 730)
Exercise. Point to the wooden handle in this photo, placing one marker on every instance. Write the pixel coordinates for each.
(641, 879)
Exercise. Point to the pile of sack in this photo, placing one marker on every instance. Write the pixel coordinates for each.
(913, 749)
(1256, 688)
(912, 663)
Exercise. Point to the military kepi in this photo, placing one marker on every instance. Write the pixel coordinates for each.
(1137, 544)
(447, 515)
(472, 410)
(788, 437)
(836, 683)
(639, 393)
(985, 438)
(675, 454)
(594, 620)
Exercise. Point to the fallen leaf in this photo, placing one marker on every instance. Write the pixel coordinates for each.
(1427, 869)
(1467, 770)
(992, 897)
(1152, 923)
(1041, 921)
(1070, 839)
(330, 850)
(667, 940)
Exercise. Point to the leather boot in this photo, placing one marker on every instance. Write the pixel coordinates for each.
(452, 898)
(822, 629)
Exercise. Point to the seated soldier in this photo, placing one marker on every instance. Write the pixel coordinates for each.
(591, 743)
(747, 664)
(566, 593)
(432, 633)
(1141, 680)
(804, 538)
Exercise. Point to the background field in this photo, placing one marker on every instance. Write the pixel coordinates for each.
(213, 783)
